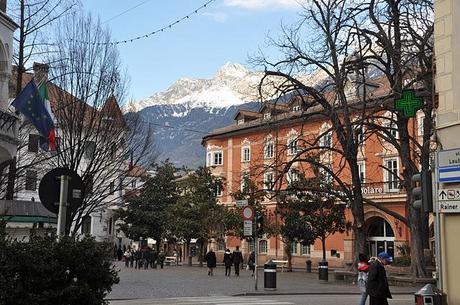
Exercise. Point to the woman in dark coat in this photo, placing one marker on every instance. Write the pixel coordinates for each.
(252, 262)
(210, 259)
(228, 261)
(377, 283)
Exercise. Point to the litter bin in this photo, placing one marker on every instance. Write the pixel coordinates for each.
(429, 294)
(308, 262)
(270, 275)
(323, 270)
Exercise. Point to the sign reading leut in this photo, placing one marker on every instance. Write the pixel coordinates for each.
(449, 165)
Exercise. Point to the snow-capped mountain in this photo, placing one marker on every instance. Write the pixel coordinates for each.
(190, 108)
(232, 84)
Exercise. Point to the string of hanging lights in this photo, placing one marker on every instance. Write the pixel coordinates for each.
(160, 30)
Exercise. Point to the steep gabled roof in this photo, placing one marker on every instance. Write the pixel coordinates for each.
(247, 113)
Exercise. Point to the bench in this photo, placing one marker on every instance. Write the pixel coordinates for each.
(280, 263)
(170, 259)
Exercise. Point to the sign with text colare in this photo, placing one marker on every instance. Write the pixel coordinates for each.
(449, 165)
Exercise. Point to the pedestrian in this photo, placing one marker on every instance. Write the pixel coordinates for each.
(154, 259)
(377, 282)
(252, 262)
(363, 268)
(131, 259)
(127, 257)
(228, 261)
(210, 259)
(161, 258)
(147, 257)
(237, 260)
(137, 258)
(119, 253)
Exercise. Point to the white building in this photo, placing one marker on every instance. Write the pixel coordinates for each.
(100, 223)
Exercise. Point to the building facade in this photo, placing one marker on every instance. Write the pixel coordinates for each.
(447, 53)
(255, 145)
(113, 181)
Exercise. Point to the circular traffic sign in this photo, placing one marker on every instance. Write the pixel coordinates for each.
(50, 188)
(248, 213)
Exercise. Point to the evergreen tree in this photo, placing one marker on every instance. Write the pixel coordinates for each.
(148, 215)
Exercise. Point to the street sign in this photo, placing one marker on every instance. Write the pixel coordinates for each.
(449, 207)
(49, 189)
(449, 200)
(242, 203)
(449, 165)
(449, 194)
(247, 228)
(248, 213)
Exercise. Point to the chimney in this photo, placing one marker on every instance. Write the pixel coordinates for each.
(40, 72)
(3, 6)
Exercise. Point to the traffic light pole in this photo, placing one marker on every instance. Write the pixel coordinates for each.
(62, 205)
(437, 224)
(255, 254)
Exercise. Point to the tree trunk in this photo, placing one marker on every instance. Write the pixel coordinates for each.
(287, 250)
(359, 232)
(200, 256)
(418, 268)
(21, 68)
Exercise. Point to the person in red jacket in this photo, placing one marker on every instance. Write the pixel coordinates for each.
(363, 266)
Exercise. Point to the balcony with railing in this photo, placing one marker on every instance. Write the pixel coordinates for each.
(377, 189)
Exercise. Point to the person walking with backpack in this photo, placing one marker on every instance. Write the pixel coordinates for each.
(363, 267)
(211, 262)
(237, 260)
(228, 261)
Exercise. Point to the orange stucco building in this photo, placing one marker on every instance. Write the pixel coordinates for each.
(258, 142)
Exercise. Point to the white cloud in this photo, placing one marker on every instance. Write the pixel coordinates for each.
(217, 16)
(260, 4)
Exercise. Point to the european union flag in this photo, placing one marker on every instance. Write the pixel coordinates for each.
(31, 105)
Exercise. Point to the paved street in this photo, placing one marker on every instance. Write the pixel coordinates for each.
(178, 285)
(263, 300)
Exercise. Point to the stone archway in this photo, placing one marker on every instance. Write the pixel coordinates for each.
(380, 236)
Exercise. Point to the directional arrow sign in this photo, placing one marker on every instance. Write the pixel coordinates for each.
(451, 194)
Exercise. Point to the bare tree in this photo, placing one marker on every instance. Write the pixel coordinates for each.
(34, 18)
(344, 40)
(94, 137)
(333, 98)
(398, 41)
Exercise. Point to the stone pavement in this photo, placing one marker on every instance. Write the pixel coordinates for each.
(185, 281)
(263, 300)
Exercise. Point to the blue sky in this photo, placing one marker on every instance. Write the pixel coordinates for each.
(224, 31)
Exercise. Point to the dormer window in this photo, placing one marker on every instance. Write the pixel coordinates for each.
(240, 122)
(296, 108)
(267, 115)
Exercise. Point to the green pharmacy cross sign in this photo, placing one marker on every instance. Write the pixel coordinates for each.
(409, 103)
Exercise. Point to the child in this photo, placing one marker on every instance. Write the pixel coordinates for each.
(363, 267)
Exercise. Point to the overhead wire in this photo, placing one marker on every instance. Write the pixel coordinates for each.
(160, 30)
(127, 10)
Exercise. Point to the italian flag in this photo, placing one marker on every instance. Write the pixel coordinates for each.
(50, 141)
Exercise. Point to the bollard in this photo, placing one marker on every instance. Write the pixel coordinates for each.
(323, 271)
(270, 275)
(308, 262)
